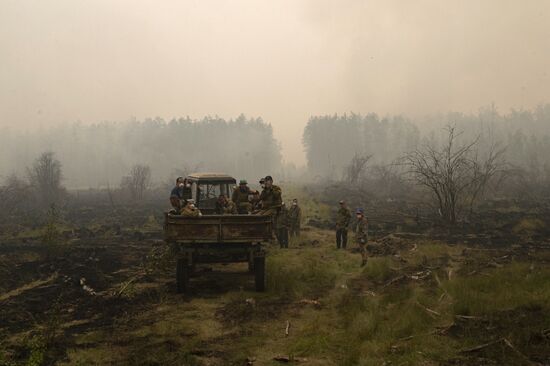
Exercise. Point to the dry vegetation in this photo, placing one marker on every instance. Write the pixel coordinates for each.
(95, 286)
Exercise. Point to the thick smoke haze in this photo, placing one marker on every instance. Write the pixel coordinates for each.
(284, 61)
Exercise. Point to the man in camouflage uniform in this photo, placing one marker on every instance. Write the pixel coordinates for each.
(271, 198)
(190, 210)
(225, 206)
(362, 234)
(241, 196)
(343, 218)
(282, 226)
(294, 218)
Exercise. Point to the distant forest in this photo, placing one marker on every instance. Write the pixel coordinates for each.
(332, 141)
(101, 154)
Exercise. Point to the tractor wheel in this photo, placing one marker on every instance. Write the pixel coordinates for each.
(259, 273)
(182, 275)
(251, 262)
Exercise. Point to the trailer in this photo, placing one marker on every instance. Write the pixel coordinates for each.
(214, 238)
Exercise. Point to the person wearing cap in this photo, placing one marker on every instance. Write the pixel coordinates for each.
(255, 200)
(190, 210)
(343, 218)
(241, 196)
(294, 218)
(282, 226)
(362, 234)
(271, 198)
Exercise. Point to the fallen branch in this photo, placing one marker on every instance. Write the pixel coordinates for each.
(421, 275)
(396, 279)
(482, 346)
(289, 359)
(468, 317)
(125, 286)
(87, 288)
(309, 302)
(430, 311)
(509, 344)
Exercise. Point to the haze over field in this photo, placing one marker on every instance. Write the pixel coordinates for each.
(89, 61)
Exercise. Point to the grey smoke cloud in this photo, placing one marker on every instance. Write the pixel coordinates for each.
(70, 60)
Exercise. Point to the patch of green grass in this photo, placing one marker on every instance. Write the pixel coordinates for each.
(528, 225)
(368, 330)
(517, 284)
(379, 269)
(294, 276)
(315, 337)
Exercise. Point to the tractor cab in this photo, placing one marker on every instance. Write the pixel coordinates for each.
(206, 188)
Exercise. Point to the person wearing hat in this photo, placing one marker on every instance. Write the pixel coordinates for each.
(271, 198)
(241, 196)
(255, 201)
(362, 234)
(343, 218)
(190, 210)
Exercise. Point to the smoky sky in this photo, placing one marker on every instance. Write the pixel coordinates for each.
(285, 60)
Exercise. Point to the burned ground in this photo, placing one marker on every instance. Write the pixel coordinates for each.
(103, 292)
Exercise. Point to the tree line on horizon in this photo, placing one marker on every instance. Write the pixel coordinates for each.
(334, 142)
(100, 155)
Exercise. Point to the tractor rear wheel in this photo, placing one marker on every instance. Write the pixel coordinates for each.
(259, 273)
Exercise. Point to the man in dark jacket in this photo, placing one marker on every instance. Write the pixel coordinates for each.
(294, 218)
(343, 217)
(271, 198)
(240, 197)
(281, 224)
(180, 194)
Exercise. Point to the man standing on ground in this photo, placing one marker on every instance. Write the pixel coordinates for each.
(362, 234)
(282, 226)
(294, 218)
(343, 218)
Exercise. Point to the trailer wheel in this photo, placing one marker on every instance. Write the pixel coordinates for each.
(182, 275)
(259, 273)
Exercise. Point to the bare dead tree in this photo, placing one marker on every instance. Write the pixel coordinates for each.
(137, 182)
(487, 169)
(356, 167)
(45, 178)
(455, 174)
(15, 194)
(388, 180)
